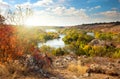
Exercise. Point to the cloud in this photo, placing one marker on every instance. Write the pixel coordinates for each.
(60, 16)
(94, 8)
(97, 7)
(114, 8)
(60, 12)
(39, 3)
(118, 0)
(3, 7)
(43, 3)
(3, 4)
(24, 5)
(67, 12)
(108, 16)
(62, 2)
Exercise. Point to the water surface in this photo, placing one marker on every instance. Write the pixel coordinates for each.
(56, 43)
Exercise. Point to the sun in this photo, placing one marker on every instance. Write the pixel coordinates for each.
(41, 20)
(32, 21)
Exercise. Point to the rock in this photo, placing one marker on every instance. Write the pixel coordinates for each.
(118, 61)
(84, 56)
(53, 78)
(86, 75)
(75, 77)
(112, 72)
(68, 58)
(97, 42)
(107, 78)
(111, 65)
(95, 68)
(63, 61)
(80, 62)
(111, 69)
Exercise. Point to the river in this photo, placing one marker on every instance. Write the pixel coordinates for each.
(56, 43)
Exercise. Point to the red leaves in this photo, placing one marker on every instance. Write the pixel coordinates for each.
(15, 41)
(8, 42)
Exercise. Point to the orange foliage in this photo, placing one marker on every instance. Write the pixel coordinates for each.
(9, 46)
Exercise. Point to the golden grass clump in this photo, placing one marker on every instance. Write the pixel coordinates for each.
(77, 69)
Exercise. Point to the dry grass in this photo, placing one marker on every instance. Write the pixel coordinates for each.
(3, 70)
(78, 69)
(9, 70)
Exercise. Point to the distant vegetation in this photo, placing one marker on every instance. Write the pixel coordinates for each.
(101, 44)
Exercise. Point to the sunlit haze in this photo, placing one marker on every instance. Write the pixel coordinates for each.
(32, 21)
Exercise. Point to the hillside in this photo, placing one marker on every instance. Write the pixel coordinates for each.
(109, 27)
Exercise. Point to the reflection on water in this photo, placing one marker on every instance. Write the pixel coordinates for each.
(56, 43)
(91, 34)
(51, 30)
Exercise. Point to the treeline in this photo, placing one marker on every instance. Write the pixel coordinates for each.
(115, 23)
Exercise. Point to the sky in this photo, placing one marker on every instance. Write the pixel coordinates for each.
(66, 12)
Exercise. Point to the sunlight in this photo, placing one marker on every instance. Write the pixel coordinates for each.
(32, 21)
(41, 20)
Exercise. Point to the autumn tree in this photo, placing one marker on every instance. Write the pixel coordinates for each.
(11, 46)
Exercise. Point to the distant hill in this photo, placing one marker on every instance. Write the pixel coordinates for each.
(104, 27)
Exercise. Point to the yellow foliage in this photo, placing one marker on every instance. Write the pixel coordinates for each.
(86, 47)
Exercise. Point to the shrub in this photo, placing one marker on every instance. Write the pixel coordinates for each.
(79, 52)
(116, 54)
(97, 51)
(58, 52)
(104, 36)
(9, 46)
(46, 49)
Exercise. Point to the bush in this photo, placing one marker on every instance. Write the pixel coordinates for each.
(9, 44)
(97, 51)
(46, 49)
(104, 36)
(79, 52)
(58, 52)
(116, 54)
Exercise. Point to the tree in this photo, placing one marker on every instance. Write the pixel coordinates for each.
(2, 19)
(19, 15)
(12, 43)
